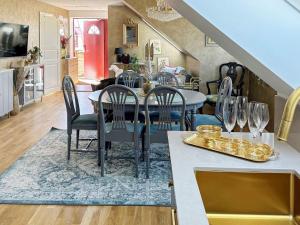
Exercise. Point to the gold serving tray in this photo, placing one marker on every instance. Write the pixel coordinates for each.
(210, 138)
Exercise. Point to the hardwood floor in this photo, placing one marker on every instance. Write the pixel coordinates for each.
(19, 133)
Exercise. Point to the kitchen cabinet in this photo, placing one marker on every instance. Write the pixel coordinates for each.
(6, 91)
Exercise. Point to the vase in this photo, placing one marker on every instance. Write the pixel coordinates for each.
(147, 87)
(63, 53)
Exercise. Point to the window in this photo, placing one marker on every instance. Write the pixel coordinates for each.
(94, 30)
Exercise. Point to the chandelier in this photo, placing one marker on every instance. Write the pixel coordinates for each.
(162, 12)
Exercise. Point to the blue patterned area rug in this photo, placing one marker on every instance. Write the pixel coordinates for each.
(43, 175)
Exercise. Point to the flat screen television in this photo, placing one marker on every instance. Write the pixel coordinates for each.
(13, 39)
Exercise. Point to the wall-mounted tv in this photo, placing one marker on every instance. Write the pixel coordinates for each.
(13, 39)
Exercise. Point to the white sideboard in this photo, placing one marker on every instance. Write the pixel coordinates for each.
(6, 91)
(33, 88)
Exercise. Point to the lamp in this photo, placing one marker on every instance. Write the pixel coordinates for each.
(119, 52)
(162, 12)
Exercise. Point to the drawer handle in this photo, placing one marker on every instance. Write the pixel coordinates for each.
(173, 212)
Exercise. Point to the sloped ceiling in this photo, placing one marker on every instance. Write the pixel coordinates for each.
(264, 35)
(188, 37)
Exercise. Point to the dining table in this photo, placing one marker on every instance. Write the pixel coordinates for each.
(194, 100)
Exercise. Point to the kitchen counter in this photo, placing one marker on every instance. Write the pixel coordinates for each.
(187, 159)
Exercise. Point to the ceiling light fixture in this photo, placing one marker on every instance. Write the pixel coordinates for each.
(162, 12)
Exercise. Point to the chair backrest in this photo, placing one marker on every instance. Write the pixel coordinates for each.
(129, 79)
(167, 79)
(225, 90)
(118, 96)
(166, 98)
(233, 70)
(71, 99)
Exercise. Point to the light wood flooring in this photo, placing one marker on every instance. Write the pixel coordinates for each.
(22, 131)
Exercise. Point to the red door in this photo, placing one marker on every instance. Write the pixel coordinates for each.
(95, 49)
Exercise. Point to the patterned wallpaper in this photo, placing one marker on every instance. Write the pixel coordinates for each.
(118, 15)
(26, 12)
(189, 38)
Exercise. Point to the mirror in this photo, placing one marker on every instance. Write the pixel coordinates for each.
(131, 35)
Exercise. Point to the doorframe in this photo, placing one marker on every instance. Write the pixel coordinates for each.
(78, 18)
(58, 88)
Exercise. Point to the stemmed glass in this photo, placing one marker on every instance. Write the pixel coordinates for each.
(242, 111)
(230, 113)
(254, 119)
(264, 117)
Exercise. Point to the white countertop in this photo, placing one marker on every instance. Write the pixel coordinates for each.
(187, 159)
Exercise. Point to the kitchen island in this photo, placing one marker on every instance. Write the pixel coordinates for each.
(187, 160)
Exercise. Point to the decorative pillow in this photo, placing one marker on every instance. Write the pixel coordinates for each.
(168, 69)
(212, 98)
(179, 70)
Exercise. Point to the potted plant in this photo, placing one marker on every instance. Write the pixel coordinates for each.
(135, 63)
(34, 54)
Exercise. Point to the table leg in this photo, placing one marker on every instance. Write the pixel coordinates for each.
(193, 112)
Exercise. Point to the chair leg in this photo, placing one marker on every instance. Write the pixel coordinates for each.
(99, 157)
(107, 145)
(143, 148)
(102, 151)
(136, 162)
(69, 145)
(77, 139)
(99, 148)
(137, 156)
(147, 162)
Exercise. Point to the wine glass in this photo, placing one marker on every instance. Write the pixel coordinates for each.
(242, 110)
(264, 117)
(254, 120)
(229, 113)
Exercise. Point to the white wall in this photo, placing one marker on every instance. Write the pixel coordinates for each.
(262, 34)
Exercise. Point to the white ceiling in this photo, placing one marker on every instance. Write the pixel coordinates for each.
(83, 4)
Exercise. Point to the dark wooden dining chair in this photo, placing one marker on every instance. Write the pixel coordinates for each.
(130, 79)
(233, 70)
(119, 129)
(76, 121)
(167, 79)
(216, 119)
(170, 80)
(167, 98)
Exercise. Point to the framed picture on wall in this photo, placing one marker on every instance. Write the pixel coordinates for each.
(209, 42)
(156, 46)
(131, 35)
(162, 62)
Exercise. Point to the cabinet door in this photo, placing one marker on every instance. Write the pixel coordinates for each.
(10, 91)
(5, 91)
(1, 95)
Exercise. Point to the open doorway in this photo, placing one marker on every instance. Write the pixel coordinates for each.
(91, 48)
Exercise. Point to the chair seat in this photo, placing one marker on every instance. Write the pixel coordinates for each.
(130, 116)
(86, 121)
(204, 119)
(212, 98)
(154, 116)
(129, 127)
(154, 128)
